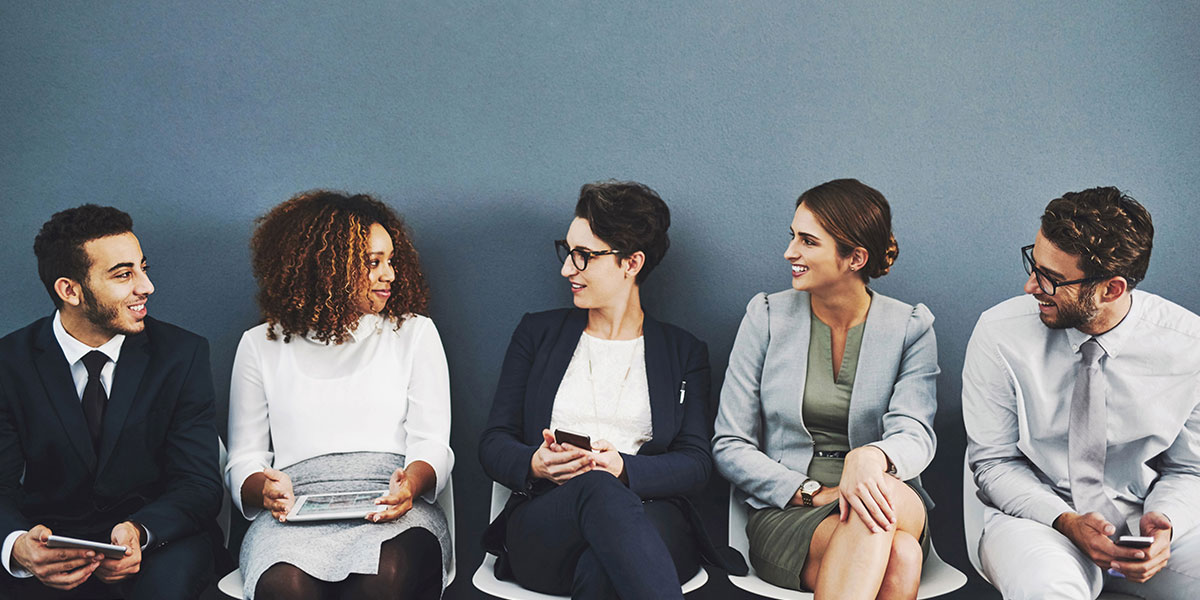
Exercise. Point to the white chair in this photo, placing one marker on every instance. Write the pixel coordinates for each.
(937, 577)
(485, 576)
(973, 529)
(231, 584)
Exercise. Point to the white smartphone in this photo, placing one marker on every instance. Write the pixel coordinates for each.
(342, 505)
(1135, 541)
(62, 541)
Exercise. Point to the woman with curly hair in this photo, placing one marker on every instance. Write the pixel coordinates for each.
(826, 414)
(343, 388)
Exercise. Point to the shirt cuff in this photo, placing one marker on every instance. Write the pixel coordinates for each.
(149, 537)
(6, 557)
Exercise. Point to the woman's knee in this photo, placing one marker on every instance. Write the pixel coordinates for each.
(283, 580)
(906, 557)
(908, 507)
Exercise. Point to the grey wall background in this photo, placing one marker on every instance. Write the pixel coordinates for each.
(479, 121)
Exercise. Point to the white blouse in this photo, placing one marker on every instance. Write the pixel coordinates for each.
(382, 390)
(604, 393)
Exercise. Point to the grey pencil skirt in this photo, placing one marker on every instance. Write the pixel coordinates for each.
(333, 550)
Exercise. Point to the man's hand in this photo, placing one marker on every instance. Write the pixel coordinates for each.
(112, 570)
(1157, 526)
(1090, 533)
(59, 568)
(559, 463)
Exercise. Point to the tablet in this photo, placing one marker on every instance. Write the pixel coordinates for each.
(343, 505)
(62, 541)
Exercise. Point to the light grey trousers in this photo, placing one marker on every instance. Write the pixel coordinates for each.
(1026, 559)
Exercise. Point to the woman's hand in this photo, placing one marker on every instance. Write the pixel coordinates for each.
(397, 501)
(862, 489)
(559, 463)
(608, 458)
(277, 495)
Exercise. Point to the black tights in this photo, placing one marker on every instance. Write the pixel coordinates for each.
(410, 567)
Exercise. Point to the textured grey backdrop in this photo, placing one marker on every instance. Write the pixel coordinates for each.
(479, 121)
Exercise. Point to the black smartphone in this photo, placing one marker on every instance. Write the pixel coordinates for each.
(583, 442)
(1135, 541)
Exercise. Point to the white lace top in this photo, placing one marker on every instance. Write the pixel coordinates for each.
(604, 394)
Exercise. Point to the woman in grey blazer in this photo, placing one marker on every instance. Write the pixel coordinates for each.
(825, 423)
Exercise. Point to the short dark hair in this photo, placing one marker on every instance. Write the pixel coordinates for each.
(1110, 232)
(628, 216)
(59, 244)
(857, 216)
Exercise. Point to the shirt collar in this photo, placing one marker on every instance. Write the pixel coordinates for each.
(367, 324)
(1113, 340)
(74, 350)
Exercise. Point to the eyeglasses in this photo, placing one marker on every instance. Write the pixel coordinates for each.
(1044, 281)
(579, 256)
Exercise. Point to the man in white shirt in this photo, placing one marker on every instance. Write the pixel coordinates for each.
(106, 428)
(1081, 401)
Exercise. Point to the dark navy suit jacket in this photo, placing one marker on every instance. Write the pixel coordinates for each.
(677, 461)
(157, 459)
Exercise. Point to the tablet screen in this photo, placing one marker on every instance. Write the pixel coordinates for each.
(323, 504)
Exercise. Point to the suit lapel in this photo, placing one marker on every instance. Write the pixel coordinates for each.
(658, 381)
(135, 355)
(56, 378)
(561, 349)
(883, 325)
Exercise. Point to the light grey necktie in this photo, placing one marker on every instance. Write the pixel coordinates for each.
(1087, 441)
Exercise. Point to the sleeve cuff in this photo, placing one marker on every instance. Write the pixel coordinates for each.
(6, 557)
(1046, 511)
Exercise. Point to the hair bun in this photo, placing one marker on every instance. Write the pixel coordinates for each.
(888, 259)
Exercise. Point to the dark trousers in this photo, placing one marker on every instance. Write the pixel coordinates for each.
(593, 538)
(180, 569)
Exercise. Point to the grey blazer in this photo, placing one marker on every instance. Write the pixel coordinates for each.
(761, 444)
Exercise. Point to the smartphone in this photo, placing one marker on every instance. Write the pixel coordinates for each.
(62, 541)
(583, 442)
(1135, 541)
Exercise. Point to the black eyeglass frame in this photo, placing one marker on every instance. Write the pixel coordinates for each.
(563, 250)
(1031, 268)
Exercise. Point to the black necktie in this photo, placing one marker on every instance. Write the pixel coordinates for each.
(94, 397)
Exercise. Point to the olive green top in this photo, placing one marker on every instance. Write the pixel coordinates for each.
(826, 405)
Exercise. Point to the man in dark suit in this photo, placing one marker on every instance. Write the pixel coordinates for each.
(106, 428)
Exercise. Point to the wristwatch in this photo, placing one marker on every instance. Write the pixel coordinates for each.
(808, 489)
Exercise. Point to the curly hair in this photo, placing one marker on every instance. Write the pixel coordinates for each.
(309, 256)
(59, 244)
(628, 216)
(857, 216)
(1110, 232)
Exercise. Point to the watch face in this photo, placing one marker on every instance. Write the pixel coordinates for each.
(810, 486)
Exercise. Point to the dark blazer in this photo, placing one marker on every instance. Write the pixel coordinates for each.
(677, 461)
(157, 462)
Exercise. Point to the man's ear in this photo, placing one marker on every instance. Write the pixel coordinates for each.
(69, 291)
(1113, 289)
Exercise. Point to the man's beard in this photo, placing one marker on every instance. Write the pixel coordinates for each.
(1078, 313)
(105, 317)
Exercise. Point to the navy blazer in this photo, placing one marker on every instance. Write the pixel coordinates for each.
(157, 460)
(676, 461)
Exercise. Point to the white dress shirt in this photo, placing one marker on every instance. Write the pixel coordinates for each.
(74, 351)
(1018, 377)
(382, 390)
(604, 395)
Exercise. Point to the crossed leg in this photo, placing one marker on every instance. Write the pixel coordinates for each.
(847, 560)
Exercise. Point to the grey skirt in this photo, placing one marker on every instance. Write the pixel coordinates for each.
(333, 550)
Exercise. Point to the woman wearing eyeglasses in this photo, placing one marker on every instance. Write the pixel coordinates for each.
(606, 521)
(826, 414)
